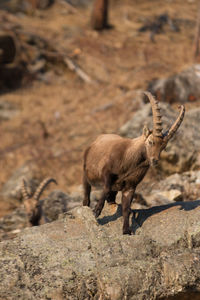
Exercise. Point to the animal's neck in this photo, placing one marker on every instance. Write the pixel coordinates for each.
(139, 150)
(135, 157)
(136, 168)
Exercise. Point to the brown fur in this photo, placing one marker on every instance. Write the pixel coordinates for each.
(120, 164)
(99, 19)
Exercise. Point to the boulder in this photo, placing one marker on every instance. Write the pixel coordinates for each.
(177, 187)
(157, 197)
(79, 257)
(181, 87)
(182, 151)
(57, 203)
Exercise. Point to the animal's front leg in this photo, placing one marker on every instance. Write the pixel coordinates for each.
(100, 204)
(127, 197)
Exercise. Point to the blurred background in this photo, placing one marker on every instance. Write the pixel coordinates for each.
(64, 80)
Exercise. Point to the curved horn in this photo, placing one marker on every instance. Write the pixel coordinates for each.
(157, 122)
(42, 186)
(170, 133)
(25, 194)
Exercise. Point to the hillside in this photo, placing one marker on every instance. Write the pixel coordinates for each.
(118, 61)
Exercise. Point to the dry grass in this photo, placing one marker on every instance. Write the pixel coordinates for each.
(74, 113)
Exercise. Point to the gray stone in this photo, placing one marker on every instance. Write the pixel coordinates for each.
(78, 257)
(177, 187)
(57, 203)
(157, 197)
(181, 87)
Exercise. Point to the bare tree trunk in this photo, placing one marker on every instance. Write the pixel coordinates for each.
(197, 37)
(99, 19)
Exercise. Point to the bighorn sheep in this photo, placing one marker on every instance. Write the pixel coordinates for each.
(32, 204)
(121, 163)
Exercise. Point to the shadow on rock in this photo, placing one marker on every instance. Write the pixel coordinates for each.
(144, 214)
(139, 216)
(111, 218)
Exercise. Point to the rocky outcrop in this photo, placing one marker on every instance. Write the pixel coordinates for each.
(77, 257)
(182, 152)
(181, 87)
(57, 203)
(177, 187)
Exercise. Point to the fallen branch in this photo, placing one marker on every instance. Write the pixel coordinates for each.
(60, 57)
(74, 67)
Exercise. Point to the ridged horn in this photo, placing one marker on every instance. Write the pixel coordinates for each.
(157, 122)
(25, 194)
(170, 133)
(42, 186)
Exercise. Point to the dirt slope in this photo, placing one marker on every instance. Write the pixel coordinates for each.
(74, 112)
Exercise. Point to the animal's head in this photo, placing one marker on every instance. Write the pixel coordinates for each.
(156, 140)
(31, 202)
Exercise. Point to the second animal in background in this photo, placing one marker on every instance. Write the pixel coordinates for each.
(32, 203)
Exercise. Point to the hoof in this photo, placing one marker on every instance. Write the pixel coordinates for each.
(111, 203)
(127, 231)
(96, 212)
(86, 202)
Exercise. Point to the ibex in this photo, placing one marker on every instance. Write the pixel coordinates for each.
(32, 204)
(120, 164)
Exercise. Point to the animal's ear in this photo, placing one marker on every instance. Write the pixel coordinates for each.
(146, 131)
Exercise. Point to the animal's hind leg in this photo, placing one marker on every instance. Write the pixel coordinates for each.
(105, 195)
(87, 190)
(127, 197)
